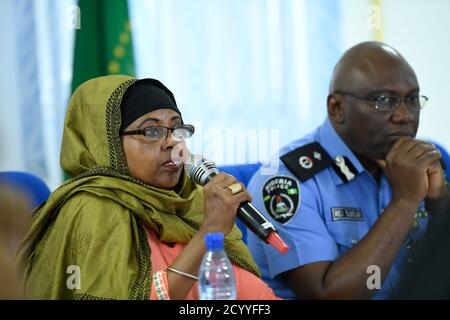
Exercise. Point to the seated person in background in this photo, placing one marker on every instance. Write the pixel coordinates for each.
(130, 212)
(352, 197)
(428, 276)
(14, 216)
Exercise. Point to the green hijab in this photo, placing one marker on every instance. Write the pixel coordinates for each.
(88, 240)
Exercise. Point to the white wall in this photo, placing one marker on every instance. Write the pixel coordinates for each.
(420, 30)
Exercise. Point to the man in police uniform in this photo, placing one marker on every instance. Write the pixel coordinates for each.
(352, 197)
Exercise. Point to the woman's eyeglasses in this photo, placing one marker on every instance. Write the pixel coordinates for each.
(154, 133)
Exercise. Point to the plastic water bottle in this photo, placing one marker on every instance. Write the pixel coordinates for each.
(216, 276)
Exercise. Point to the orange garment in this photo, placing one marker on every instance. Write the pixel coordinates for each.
(248, 285)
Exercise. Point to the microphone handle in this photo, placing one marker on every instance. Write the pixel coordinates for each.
(253, 220)
(251, 217)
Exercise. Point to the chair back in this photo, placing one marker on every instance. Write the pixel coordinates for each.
(32, 186)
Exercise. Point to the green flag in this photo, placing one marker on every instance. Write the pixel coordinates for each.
(103, 45)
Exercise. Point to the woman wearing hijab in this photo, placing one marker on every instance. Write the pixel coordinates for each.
(130, 223)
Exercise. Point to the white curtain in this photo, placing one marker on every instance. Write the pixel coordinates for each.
(37, 58)
(252, 75)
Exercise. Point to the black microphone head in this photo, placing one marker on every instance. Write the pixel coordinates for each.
(200, 170)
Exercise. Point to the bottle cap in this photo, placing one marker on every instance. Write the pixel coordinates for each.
(214, 241)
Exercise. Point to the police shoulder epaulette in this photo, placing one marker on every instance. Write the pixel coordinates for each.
(306, 161)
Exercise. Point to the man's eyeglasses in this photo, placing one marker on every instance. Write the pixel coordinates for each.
(154, 133)
(387, 103)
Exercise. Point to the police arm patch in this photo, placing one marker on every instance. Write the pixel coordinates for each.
(281, 197)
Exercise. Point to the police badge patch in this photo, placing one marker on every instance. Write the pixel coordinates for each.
(281, 196)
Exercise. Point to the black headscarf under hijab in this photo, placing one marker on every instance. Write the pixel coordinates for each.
(145, 96)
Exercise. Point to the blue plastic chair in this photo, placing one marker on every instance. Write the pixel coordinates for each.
(32, 186)
(445, 158)
(243, 173)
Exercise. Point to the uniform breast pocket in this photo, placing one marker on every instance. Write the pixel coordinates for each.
(346, 234)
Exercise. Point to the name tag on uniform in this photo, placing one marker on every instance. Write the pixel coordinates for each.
(353, 214)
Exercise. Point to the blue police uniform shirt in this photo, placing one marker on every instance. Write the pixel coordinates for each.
(328, 215)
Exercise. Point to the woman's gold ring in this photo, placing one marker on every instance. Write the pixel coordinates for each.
(235, 188)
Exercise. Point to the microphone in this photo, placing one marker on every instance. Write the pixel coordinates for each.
(201, 171)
